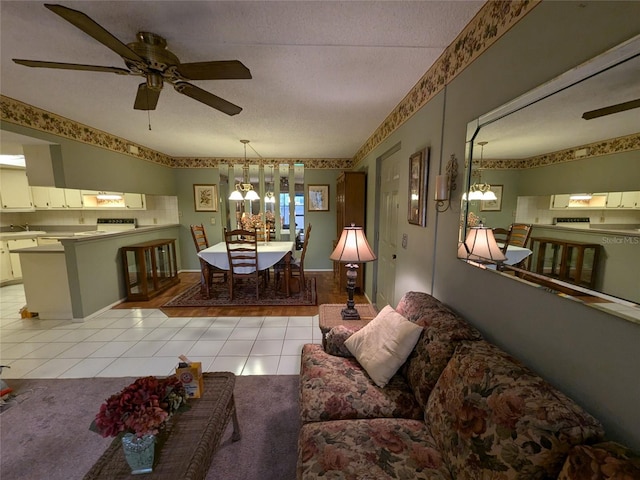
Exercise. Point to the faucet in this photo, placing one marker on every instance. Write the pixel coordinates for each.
(24, 227)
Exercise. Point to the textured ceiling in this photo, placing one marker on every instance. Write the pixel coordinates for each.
(325, 73)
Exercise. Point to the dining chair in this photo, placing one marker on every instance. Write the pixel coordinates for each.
(262, 234)
(296, 264)
(519, 235)
(242, 251)
(207, 271)
(502, 236)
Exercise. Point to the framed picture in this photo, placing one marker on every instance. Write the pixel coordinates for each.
(318, 198)
(205, 198)
(418, 178)
(492, 205)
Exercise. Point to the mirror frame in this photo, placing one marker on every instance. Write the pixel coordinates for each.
(610, 58)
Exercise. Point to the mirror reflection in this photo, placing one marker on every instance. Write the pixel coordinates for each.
(564, 160)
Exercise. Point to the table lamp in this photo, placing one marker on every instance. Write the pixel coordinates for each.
(352, 248)
(481, 246)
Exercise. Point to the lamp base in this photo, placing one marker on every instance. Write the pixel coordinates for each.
(350, 313)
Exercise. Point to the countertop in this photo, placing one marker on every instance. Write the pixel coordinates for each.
(594, 229)
(74, 235)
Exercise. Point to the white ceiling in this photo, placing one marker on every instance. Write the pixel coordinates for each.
(325, 73)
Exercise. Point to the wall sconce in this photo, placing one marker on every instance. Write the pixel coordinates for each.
(445, 184)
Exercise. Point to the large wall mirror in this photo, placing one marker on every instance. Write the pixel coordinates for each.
(565, 159)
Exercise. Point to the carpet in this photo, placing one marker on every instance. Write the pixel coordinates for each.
(44, 434)
(244, 295)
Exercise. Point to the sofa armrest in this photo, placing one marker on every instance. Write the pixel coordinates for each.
(335, 340)
(607, 460)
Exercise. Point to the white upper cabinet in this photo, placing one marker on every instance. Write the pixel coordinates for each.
(134, 201)
(15, 193)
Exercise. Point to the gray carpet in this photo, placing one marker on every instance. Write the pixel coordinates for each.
(44, 434)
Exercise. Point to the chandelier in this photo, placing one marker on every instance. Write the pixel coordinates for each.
(479, 190)
(244, 190)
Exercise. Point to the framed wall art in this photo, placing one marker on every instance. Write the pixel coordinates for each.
(318, 198)
(418, 179)
(205, 198)
(492, 205)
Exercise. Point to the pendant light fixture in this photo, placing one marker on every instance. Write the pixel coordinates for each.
(244, 191)
(479, 190)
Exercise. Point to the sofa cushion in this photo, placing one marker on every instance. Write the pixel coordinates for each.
(383, 345)
(608, 460)
(443, 330)
(490, 414)
(334, 388)
(368, 449)
(335, 338)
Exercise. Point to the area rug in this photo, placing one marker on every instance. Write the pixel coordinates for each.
(244, 295)
(45, 432)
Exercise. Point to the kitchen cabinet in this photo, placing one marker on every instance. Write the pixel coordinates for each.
(598, 201)
(40, 197)
(559, 201)
(65, 198)
(134, 201)
(15, 194)
(350, 209)
(5, 263)
(630, 200)
(14, 258)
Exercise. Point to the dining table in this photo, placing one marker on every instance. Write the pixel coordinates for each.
(269, 253)
(514, 255)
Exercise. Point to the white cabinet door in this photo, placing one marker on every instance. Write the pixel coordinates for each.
(14, 190)
(15, 257)
(134, 201)
(73, 198)
(5, 263)
(614, 199)
(630, 200)
(40, 197)
(56, 198)
(560, 201)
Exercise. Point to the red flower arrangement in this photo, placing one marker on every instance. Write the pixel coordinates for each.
(141, 408)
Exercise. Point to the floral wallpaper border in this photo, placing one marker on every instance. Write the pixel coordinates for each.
(627, 143)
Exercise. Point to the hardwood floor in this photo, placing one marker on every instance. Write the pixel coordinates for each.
(327, 288)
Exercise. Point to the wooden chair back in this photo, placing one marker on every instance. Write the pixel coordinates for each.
(520, 233)
(502, 236)
(262, 234)
(199, 237)
(242, 252)
(207, 271)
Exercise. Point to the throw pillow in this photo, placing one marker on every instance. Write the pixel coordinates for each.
(384, 344)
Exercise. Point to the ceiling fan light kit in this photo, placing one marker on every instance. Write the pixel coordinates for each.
(149, 57)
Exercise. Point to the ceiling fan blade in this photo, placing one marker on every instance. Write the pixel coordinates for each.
(220, 70)
(207, 98)
(71, 66)
(91, 28)
(146, 98)
(620, 107)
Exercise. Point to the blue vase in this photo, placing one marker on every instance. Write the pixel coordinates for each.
(139, 452)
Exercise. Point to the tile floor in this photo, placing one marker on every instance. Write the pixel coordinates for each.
(137, 342)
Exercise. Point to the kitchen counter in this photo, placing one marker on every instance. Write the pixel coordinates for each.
(81, 275)
(597, 229)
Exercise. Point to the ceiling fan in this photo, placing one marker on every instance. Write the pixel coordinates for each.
(149, 57)
(611, 109)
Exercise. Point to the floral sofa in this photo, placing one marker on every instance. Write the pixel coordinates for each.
(458, 408)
